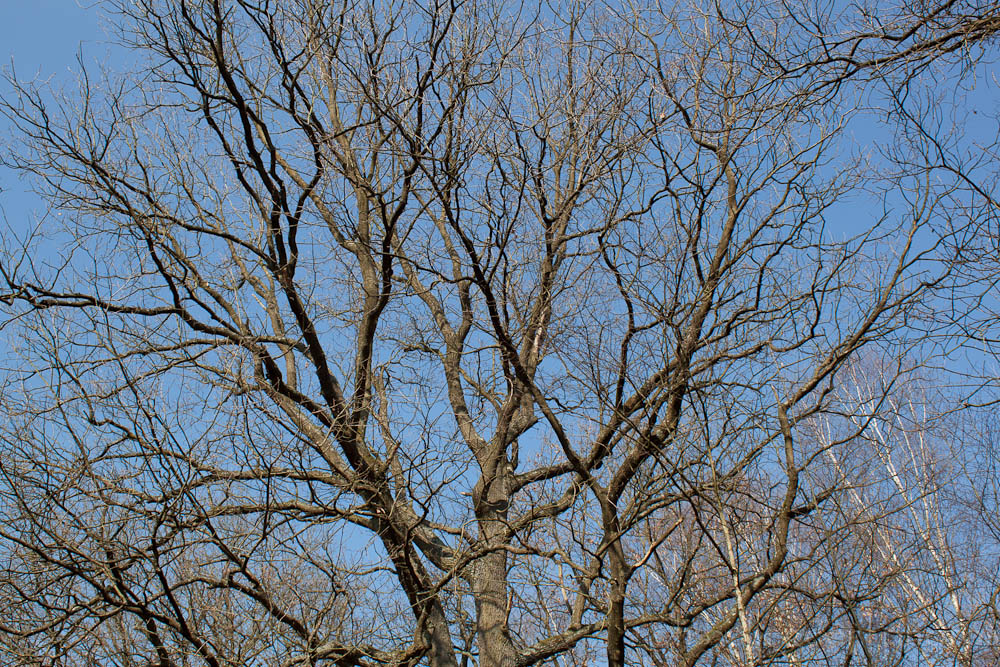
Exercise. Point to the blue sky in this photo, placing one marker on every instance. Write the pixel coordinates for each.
(40, 40)
(44, 35)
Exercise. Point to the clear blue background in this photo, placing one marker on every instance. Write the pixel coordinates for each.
(41, 40)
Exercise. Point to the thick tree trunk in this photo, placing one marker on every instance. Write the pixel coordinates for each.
(488, 578)
(490, 584)
(615, 562)
(442, 653)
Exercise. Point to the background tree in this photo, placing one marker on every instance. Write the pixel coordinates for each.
(464, 332)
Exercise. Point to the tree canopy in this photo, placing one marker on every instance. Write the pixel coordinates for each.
(480, 332)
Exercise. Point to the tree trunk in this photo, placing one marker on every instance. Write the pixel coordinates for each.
(489, 580)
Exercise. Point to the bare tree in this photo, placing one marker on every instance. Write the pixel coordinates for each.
(471, 332)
